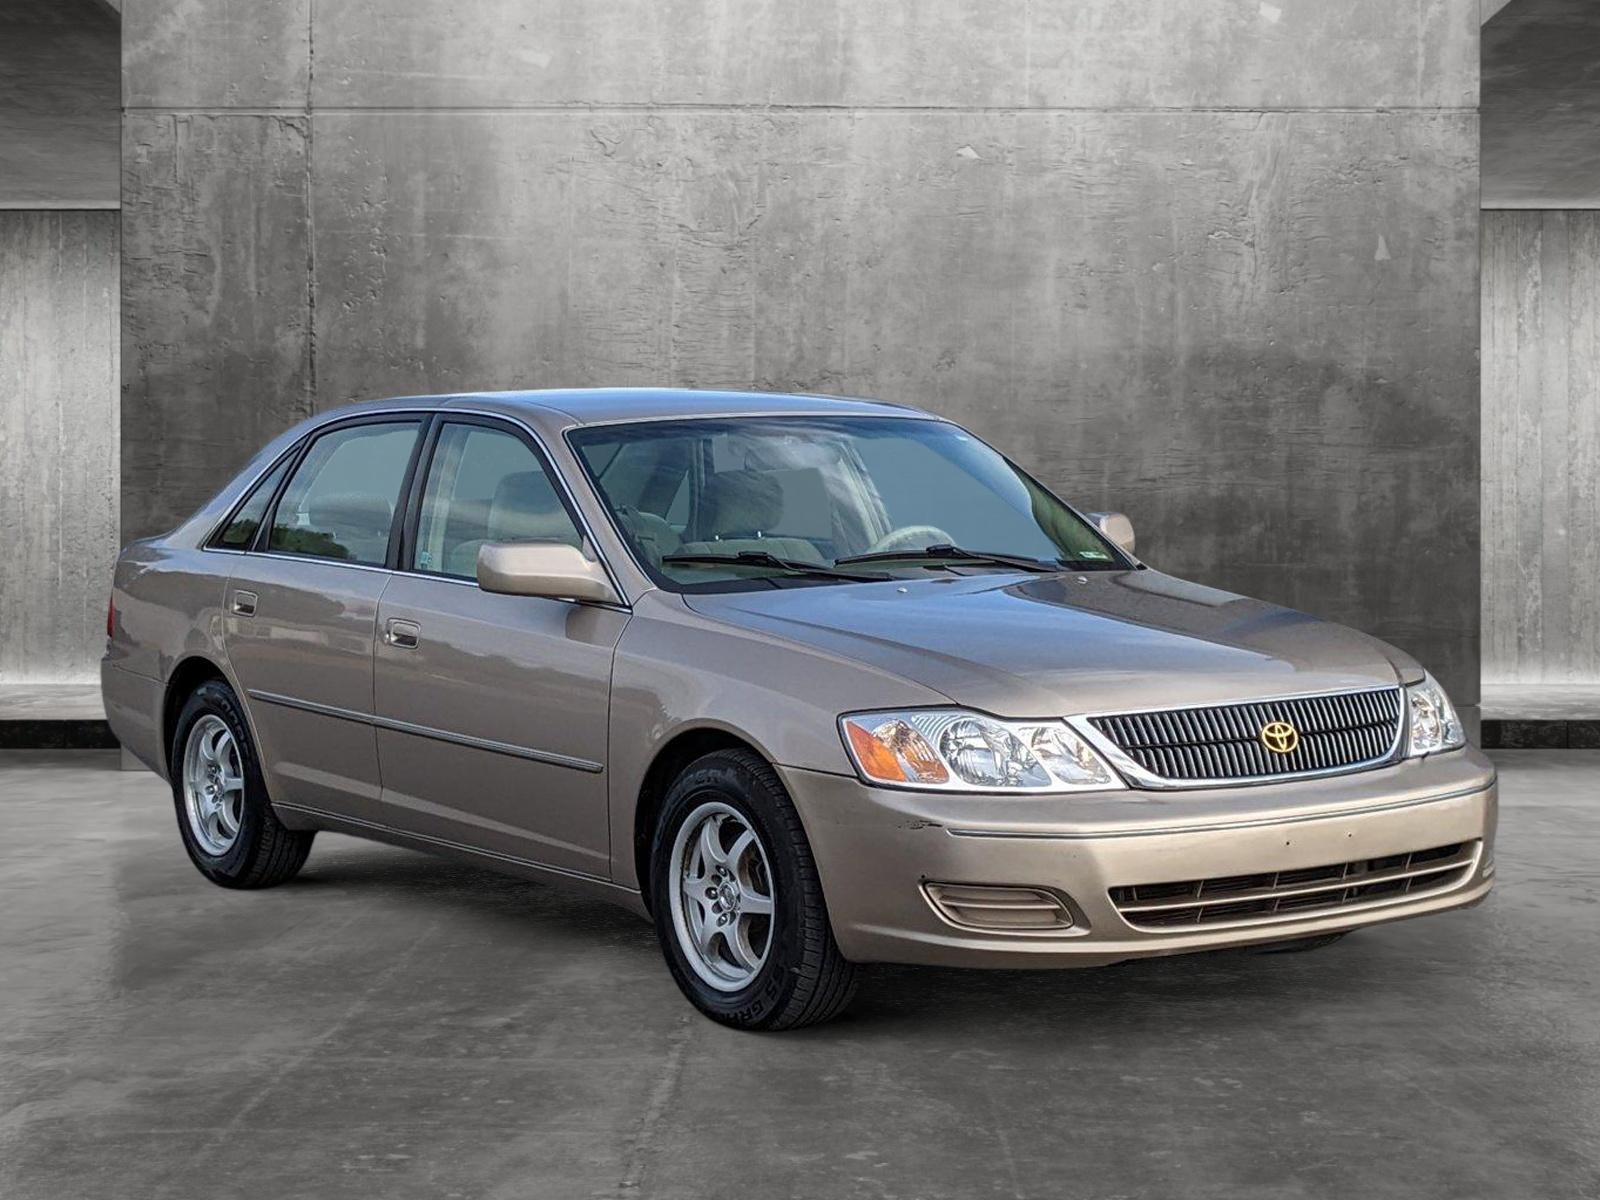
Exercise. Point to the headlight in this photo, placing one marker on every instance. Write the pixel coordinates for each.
(1434, 725)
(949, 749)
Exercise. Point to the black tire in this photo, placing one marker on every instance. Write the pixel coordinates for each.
(804, 980)
(1299, 945)
(265, 852)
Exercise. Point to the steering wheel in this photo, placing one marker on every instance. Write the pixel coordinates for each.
(910, 537)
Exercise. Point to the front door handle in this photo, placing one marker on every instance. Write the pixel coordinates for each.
(244, 604)
(404, 634)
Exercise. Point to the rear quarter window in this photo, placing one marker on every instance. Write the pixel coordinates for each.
(240, 532)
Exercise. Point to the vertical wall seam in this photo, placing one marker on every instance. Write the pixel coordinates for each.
(311, 224)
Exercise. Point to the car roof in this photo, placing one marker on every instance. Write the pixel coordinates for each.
(590, 406)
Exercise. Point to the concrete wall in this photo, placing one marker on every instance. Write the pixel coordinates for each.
(1540, 106)
(1541, 447)
(59, 73)
(1210, 261)
(58, 442)
(59, 344)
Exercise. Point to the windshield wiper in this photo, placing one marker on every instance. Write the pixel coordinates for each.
(1092, 564)
(763, 558)
(945, 552)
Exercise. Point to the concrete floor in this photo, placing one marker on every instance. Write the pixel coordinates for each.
(396, 1026)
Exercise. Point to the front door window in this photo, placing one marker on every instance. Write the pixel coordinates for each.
(485, 485)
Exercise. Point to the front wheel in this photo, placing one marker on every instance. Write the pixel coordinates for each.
(737, 902)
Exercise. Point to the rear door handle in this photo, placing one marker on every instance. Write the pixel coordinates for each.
(404, 634)
(244, 603)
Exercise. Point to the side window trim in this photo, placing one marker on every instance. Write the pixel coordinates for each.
(424, 419)
(408, 510)
(406, 552)
(416, 474)
(258, 544)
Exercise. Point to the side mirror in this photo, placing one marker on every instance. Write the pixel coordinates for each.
(1116, 527)
(551, 569)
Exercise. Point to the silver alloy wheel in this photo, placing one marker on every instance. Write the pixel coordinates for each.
(722, 904)
(213, 785)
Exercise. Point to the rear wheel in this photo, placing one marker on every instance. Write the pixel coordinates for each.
(227, 824)
(737, 902)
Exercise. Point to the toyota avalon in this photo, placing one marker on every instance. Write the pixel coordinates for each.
(808, 682)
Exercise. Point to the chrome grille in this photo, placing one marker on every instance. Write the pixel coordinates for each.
(1286, 895)
(1338, 731)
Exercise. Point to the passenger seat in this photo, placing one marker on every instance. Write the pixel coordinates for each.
(525, 508)
(738, 509)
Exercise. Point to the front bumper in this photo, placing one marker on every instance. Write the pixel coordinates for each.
(875, 849)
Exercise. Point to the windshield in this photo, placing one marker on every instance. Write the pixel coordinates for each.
(719, 504)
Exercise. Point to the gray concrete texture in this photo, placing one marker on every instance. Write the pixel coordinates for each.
(58, 442)
(215, 304)
(1212, 263)
(1541, 447)
(394, 1025)
(1009, 54)
(1541, 106)
(60, 73)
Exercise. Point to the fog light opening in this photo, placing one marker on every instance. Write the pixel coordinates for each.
(996, 909)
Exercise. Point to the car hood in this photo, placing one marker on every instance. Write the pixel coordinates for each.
(1102, 641)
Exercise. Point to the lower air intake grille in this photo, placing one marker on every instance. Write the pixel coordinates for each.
(1339, 731)
(1286, 895)
(1010, 909)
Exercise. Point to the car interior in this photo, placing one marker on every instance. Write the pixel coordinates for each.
(524, 508)
(712, 495)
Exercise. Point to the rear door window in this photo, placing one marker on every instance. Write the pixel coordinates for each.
(340, 502)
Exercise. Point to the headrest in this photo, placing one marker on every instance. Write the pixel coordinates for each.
(526, 508)
(740, 502)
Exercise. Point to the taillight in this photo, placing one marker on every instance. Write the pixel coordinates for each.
(111, 618)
